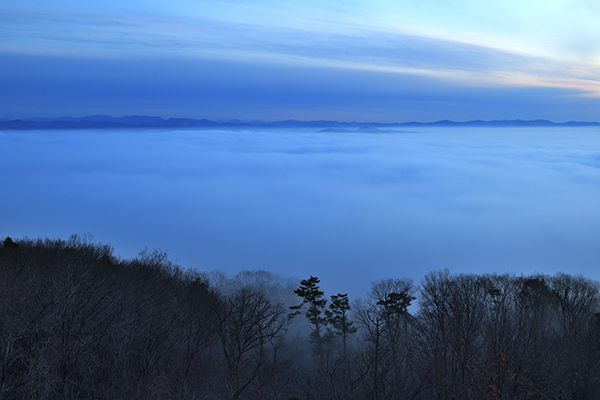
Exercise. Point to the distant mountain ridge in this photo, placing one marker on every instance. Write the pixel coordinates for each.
(142, 121)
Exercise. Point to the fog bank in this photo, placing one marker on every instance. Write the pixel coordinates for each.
(347, 207)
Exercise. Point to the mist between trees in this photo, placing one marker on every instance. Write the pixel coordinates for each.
(76, 322)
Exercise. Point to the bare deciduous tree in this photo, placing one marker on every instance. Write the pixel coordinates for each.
(249, 327)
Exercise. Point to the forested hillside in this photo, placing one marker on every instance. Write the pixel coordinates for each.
(76, 322)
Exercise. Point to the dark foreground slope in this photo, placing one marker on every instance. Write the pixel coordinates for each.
(78, 323)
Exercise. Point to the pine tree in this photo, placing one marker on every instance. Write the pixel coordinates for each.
(337, 317)
(313, 305)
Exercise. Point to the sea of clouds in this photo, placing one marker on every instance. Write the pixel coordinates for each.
(347, 207)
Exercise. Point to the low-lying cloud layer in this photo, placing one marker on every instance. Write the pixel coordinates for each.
(347, 207)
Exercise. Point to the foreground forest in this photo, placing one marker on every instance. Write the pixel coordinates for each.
(76, 322)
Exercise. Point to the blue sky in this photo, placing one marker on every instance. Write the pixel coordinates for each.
(270, 59)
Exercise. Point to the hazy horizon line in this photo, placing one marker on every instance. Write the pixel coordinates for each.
(150, 120)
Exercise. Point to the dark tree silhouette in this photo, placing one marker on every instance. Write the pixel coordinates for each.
(248, 329)
(339, 319)
(313, 305)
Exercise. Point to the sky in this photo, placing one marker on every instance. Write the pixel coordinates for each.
(356, 60)
(350, 208)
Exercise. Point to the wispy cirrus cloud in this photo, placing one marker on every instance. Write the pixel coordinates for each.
(356, 46)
